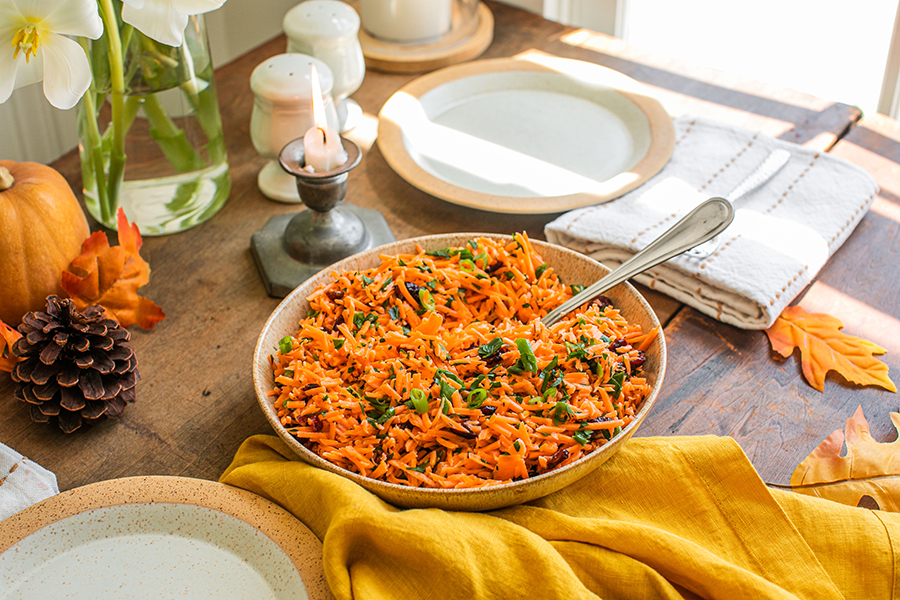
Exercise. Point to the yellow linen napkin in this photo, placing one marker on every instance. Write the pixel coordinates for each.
(665, 518)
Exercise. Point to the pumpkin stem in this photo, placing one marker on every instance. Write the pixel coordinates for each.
(6, 179)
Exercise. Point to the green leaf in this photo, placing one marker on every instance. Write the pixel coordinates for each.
(527, 359)
(486, 350)
(285, 344)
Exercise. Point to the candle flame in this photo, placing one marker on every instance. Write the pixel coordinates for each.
(318, 103)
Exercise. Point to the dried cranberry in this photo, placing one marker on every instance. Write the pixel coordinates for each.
(488, 410)
(561, 455)
(335, 294)
(413, 290)
(467, 435)
(600, 302)
(316, 423)
(638, 361)
(617, 343)
(338, 321)
(309, 386)
(495, 358)
(494, 267)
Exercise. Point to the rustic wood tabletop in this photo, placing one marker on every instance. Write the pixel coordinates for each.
(195, 403)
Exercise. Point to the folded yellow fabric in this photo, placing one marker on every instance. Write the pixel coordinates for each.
(664, 518)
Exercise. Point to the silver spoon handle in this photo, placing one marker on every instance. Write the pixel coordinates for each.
(702, 223)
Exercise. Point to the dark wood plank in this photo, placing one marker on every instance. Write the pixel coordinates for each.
(196, 403)
(725, 381)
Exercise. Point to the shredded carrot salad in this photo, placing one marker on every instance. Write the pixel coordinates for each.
(434, 370)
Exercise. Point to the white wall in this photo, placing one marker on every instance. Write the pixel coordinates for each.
(31, 129)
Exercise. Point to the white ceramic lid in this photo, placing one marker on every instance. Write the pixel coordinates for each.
(285, 78)
(321, 19)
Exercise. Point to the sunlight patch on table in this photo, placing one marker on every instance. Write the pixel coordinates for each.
(859, 319)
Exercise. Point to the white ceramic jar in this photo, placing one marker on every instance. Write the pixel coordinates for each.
(406, 21)
(328, 30)
(282, 112)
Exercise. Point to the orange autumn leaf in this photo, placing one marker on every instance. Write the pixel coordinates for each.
(870, 468)
(8, 337)
(824, 348)
(111, 275)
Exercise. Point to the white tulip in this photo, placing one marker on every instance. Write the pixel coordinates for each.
(165, 20)
(34, 46)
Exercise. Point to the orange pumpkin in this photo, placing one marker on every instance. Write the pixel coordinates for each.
(42, 228)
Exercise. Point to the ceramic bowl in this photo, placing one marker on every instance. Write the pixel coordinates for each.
(572, 267)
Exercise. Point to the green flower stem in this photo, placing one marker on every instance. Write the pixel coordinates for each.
(170, 138)
(95, 141)
(117, 101)
(96, 154)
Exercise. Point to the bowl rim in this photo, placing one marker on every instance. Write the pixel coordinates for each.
(260, 359)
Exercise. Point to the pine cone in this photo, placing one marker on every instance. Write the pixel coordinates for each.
(77, 367)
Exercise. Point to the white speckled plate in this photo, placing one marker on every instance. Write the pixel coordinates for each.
(159, 537)
(530, 135)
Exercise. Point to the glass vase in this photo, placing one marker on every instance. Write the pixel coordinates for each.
(150, 132)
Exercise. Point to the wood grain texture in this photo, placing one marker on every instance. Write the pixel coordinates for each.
(195, 404)
(725, 381)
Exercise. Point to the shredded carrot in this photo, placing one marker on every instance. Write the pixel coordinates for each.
(433, 369)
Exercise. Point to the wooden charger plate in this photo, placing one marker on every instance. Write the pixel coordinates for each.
(159, 537)
(534, 134)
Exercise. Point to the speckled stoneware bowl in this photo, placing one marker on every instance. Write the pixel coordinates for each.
(572, 267)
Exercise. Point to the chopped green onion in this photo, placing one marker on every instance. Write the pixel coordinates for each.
(467, 265)
(285, 344)
(561, 412)
(425, 299)
(367, 280)
(419, 400)
(386, 283)
(582, 436)
(394, 313)
(617, 380)
(476, 398)
(386, 415)
(540, 271)
(338, 344)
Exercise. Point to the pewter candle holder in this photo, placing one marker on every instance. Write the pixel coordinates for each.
(291, 248)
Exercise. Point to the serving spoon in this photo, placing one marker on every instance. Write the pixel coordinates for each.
(701, 224)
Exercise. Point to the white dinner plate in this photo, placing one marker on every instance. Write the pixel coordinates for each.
(159, 537)
(534, 134)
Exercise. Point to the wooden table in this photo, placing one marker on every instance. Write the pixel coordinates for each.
(195, 404)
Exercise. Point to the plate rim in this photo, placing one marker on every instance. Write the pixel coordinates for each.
(290, 534)
(390, 139)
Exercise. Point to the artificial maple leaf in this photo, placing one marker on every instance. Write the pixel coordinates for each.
(869, 469)
(110, 276)
(8, 337)
(824, 348)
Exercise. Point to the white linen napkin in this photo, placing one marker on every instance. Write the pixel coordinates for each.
(22, 482)
(782, 233)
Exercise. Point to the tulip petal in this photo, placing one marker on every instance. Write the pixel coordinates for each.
(198, 7)
(8, 65)
(67, 73)
(138, 4)
(159, 19)
(74, 17)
